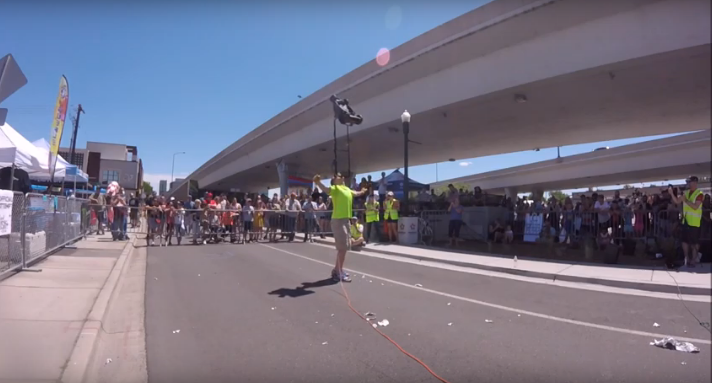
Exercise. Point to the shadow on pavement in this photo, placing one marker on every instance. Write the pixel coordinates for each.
(303, 289)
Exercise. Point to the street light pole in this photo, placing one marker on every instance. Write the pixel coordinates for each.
(405, 120)
(173, 165)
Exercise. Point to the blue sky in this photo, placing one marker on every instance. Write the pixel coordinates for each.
(196, 76)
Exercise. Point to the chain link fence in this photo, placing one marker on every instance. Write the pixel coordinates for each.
(38, 225)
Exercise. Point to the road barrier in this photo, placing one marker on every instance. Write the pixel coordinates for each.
(39, 224)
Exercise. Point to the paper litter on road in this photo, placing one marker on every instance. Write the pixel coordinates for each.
(519, 315)
(370, 281)
(369, 315)
(176, 331)
(332, 315)
(683, 363)
(384, 323)
(198, 274)
(156, 278)
(449, 324)
(273, 308)
(448, 303)
(489, 321)
(324, 343)
(418, 285)
(673, 344)
(656, 325)
(374, 325)
(363, 276)
(108, 360)
(316, 322)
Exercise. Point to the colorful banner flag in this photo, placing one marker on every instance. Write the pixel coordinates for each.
(60, 113)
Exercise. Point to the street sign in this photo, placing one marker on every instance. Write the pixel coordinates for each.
(11, 77)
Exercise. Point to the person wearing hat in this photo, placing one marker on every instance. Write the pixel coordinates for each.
(356, 233)
(342, 198)
(390, 216)
(691, 201)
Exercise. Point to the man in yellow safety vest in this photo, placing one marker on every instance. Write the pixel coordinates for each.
(372, 217)
(691, 201)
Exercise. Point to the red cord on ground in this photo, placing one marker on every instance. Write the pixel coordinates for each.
(348, 302)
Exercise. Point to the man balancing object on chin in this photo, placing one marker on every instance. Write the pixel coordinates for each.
(342, 201)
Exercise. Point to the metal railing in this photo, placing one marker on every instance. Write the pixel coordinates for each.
(39, 224)
(614, 226)
(163, 226)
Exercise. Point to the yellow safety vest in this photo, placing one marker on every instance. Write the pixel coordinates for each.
(390, 213)
(691, 216)
(371, 212)
(355, 233)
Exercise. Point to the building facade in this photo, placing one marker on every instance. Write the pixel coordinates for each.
(107, 162)
(162, 187)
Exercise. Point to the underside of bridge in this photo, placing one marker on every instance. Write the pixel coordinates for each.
(664, 93)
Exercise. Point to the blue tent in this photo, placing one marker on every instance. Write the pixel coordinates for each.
(394, 182)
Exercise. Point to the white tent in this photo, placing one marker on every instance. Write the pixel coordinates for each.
(15, 149)
(61, 174)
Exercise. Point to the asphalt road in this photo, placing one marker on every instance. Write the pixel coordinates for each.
(257, 313)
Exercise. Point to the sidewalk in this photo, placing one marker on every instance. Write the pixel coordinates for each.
(43, 314)
(639, 278)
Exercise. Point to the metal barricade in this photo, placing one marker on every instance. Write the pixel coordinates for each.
(11, 243)
(49, 223)
(179, 226)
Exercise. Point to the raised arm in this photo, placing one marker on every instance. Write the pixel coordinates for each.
(317, 182)
(359, 193)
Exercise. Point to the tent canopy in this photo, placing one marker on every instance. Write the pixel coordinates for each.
(394, 183)
(69, 171)
(15, 149)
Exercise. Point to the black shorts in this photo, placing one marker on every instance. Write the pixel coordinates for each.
(248, 226)
(690, 235)
(453, 229)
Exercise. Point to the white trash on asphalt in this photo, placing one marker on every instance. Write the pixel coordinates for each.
(448, 303)
(489, 321)
(273, 308)
(673, 344)
(418, 285)
(656, 325)
(449, 324)
(176, 331)
(108, 360)
(384, 323)
(374, 325)
(369, 315)
(324, 343)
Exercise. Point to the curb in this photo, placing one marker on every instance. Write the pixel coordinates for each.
(651, 287)
(78, 362)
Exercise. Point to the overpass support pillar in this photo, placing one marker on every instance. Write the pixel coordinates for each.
(511, 192)
(283, 172)
(537, 194)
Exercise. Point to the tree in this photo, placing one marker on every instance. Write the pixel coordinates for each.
(558, 194)
(147, 188)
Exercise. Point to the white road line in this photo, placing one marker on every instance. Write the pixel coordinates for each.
(541, 281)
(505, 308)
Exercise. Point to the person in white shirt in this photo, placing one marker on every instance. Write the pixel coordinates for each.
(602, 207)
(310, 207)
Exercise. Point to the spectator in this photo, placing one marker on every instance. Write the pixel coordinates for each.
(455, 224)
(357, 239)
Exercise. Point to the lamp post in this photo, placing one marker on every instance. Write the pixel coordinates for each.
(405, 120)
(173, 166)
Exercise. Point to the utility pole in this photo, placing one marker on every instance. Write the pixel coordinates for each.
(73, 145)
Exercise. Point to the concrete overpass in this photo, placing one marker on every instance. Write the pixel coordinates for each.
(588, 71)
(664, 159)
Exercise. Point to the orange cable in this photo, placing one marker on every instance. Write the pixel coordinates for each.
(348, 302)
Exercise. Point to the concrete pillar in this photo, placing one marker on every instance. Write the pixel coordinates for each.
(537, 194)
(282, 171)
(511, 192)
